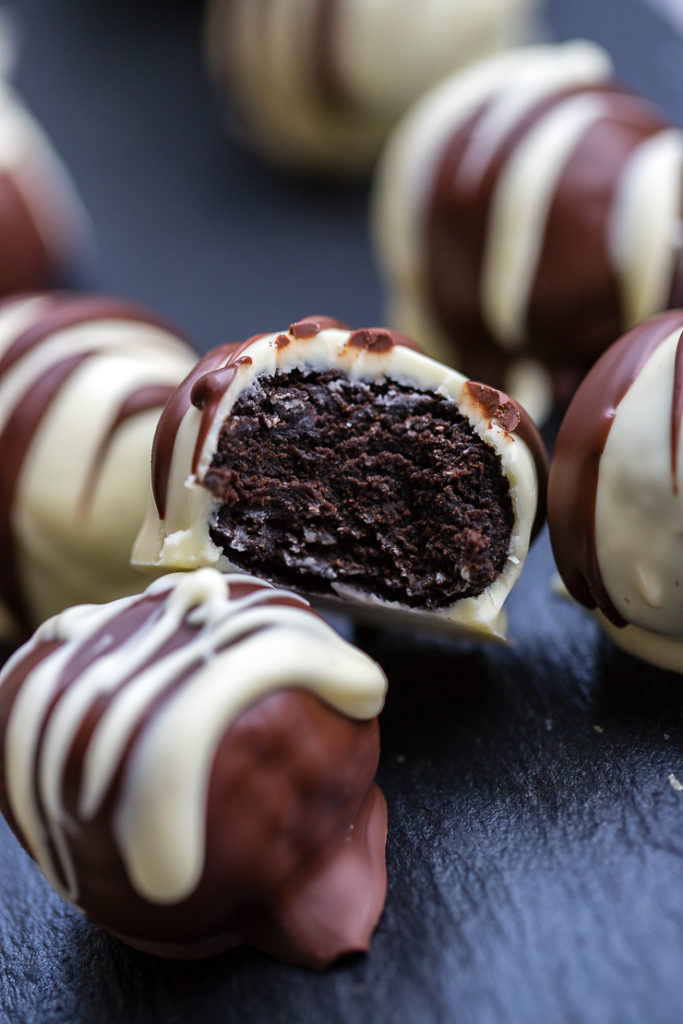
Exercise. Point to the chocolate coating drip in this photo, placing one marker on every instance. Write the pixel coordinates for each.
(379, 339)
(171, 418)
(516, 420)
(581, 441)
(312, 325)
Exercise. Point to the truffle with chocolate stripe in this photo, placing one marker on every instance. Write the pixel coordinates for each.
(82, 383)
(528, 212)
(193, 768)
(615, 496)
(350, 466)
(43, 228)
(318, 83)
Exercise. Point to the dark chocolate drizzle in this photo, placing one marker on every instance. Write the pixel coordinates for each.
(676, 413)
(312, 325)
(575, 466)
(57, 312)
(327, 73)
(60, 311)
(15, 441)
(26, 262)
(144, 399)
(379, 339)
(576, 299)
(203, 388)
(171, 418)
(516, 420)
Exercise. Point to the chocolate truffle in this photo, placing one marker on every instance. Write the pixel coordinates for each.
(193, 768)
(44, 229)
(350, 466)
(317, 84)
(615, 507)
(528, 212)
(82, 383)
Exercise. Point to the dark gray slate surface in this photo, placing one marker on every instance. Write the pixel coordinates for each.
(536, 843)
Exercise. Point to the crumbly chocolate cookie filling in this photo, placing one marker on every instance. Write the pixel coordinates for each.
(377, 486)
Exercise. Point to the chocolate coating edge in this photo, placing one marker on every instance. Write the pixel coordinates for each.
(575, 466)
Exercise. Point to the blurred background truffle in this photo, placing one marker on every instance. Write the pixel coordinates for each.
(527, 212)
(317, 84)
(44, 231)
(82, 382)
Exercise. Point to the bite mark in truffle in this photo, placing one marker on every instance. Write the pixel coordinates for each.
(326, 481)
(349, 464)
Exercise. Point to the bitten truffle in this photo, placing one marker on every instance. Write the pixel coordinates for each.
(615, 507)
(350, 466)
(44, 231)
(527, 213)
(193, 768)
(316, 84)
(82, 383)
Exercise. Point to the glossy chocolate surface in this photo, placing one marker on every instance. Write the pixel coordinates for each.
(574, 308)
(293, 830)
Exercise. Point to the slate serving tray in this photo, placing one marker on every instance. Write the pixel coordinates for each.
(536, 828)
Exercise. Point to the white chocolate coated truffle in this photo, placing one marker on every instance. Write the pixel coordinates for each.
(183, 509)
(318, 83)
(615, 498)
(82, 383)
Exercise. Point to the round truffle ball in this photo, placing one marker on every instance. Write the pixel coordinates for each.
(44, 230)
(527, 213)
(353, 468)
(317, 84)
(82, 383)
(193, 768)
(615, 500)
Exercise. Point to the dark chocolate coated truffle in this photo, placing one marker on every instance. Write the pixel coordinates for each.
(193, 768)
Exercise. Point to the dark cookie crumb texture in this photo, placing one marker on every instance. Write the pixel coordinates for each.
(372, 485)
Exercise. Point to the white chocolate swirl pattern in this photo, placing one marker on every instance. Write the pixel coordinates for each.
(320, 82)
(530, 207)
(82, 383)
(164, 674)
